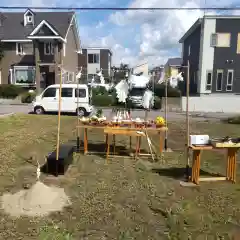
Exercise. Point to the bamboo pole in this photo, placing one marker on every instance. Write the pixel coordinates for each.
(78, 130)
(165, 114)
(59, 112)
(187, 123)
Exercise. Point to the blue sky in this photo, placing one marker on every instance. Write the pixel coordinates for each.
(133, 36)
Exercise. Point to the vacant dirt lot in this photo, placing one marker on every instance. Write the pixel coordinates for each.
(125, 199)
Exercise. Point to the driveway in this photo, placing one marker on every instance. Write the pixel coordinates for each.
(5, 109)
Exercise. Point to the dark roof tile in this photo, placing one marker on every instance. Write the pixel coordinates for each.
(12, 26)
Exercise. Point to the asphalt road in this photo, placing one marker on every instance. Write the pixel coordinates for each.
(6, 109)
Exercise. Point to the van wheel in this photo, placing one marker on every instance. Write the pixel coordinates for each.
(81, 112)
(39, 110)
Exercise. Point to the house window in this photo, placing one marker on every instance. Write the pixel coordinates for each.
(220, 39)
(48, 48)
(219, 80)
(24, 75)
(229, 80)
(238, 43)
(93, 58)
(67, 92)
(70, 77)
(19, 49)
(81, 93)
(189, 50)
(29, 19)
(209, 81)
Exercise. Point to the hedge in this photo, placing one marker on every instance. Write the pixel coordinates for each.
(10, 91)
(28, 97)
(159, 91)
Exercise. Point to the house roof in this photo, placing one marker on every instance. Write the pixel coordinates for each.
(12, 26)
(200, 20)
(174, 62)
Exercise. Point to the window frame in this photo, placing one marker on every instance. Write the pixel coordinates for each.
(208, 84)
(93, 58)
(216, 35)
(48, 90)
(219, 71)
(48, 52)
(227, 85)
(19, 46)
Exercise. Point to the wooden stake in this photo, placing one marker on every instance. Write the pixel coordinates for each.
(59, 112)
(166, 116)
(187, 122)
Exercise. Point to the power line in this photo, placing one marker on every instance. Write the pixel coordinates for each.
(121, 8)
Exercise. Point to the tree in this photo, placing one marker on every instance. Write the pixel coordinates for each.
(119, 73)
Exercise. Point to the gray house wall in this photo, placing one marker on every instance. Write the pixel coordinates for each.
(223, 54)
(194, 41)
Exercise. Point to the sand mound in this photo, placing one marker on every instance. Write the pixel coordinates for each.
(39, 200)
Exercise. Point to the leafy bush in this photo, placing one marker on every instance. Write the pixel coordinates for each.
(28, 97)
(99, 91)
(159, 91)
(232, 120)
(102, 100)
(157, 103)
(10, 91)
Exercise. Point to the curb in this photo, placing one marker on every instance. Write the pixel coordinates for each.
(7, 114)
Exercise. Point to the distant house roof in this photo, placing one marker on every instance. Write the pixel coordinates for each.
(12, 26)
(174, 62)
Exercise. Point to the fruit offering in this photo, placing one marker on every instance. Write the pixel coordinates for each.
(160, 121)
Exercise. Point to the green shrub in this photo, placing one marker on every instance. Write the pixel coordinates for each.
(28, 97)
(232, 120)
(159, 91)
(10, 91)
(157, 103)
(102, 100)
(99, 91)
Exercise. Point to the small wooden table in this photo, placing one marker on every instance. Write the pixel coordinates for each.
(230, 169)
(122, 129)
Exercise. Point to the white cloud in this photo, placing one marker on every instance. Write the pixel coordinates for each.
(135, 36)
(160, 31)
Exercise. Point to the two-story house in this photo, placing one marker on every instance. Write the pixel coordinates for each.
(92, 60)
(37, 46)
(212, 47)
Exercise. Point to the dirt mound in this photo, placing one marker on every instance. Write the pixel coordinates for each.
(39, 200)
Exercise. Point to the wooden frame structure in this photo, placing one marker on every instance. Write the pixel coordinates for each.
(117, 130)
(230, 166)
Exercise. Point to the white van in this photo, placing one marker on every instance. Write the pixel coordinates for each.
(75, 99)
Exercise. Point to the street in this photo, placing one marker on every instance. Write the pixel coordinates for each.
(7, 109)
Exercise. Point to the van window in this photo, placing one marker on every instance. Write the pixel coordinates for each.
(81, 93)
(67, 92)
(51, 92)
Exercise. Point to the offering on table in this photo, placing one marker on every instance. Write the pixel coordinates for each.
(84, 120)
(160, 121)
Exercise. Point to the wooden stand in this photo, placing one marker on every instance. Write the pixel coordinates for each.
(121, 131)
(230, 169)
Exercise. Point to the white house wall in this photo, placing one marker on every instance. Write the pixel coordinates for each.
(213, 103)
(206, 53)
(93, 66)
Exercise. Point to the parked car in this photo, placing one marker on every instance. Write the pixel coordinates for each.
(75, 99)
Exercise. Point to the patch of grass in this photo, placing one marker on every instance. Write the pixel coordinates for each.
(118, 200)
